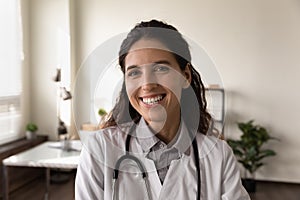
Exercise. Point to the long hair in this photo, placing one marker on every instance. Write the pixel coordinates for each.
(191, 108)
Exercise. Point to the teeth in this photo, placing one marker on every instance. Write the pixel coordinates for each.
(153, 100)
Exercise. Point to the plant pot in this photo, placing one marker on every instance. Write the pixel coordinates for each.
(249, 184)
(30, 135)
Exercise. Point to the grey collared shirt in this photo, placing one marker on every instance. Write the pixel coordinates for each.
(163, 154)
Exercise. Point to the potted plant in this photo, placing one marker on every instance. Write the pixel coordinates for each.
(31, 129)
(102, 113)
(93, 127)
(250, 152)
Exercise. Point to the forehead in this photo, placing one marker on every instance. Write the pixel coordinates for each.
(146, 51)
(148, 43)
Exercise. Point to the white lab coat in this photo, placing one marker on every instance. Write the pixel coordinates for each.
(220, 177)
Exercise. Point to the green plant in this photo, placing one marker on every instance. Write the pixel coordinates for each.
(31, 127)
(101, 112)
(248, 148)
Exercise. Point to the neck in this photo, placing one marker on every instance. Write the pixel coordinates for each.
(167, 130)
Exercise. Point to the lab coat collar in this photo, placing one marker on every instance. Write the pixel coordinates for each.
(147, 139)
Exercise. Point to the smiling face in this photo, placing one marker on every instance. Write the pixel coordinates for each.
(154, 82)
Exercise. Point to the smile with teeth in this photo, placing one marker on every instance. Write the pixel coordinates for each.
(152, 100)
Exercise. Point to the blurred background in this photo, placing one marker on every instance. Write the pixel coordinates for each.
(253, 45)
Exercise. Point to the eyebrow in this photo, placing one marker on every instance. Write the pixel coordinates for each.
(154, 63)
(131, 67)
(162, 62)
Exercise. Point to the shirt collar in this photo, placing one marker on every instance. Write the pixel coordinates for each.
(145, 136)
(147, 139)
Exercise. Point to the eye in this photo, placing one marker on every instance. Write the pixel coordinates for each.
(161, 68)
(133, 73)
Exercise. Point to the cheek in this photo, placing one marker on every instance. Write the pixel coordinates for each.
(174, 85)
(131, 88)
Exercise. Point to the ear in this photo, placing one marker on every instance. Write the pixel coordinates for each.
(187, 72)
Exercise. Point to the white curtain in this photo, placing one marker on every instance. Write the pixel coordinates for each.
(11, 57)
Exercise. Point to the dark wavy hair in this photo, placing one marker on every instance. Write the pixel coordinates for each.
(193, 102)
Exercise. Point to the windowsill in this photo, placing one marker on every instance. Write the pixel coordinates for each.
(20, 143)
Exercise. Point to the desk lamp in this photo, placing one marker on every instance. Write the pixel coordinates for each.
(62, 131)
(64, 94)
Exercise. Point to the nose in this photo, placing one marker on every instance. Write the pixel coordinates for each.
(149, 86)
(149, 81)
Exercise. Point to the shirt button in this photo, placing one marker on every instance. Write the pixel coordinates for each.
(161, 146)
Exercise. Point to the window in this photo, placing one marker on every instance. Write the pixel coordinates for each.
(10, 70)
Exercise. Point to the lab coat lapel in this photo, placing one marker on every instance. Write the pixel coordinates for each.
(153, 179)
(180, 181)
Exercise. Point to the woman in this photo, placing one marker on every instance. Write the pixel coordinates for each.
(160, 118)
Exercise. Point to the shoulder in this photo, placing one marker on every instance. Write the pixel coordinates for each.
(115, 134)
(210, 145)
(105, 138)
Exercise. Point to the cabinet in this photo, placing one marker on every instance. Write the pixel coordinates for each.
(19, 176)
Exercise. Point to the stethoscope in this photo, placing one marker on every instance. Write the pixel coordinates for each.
(142, 169)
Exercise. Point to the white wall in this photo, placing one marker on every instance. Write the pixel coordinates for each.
(25, 104)
(254, 44)
(45, 19)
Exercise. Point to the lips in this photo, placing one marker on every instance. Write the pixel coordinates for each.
(152, 100)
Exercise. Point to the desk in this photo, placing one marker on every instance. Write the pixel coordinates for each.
(46, 155)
